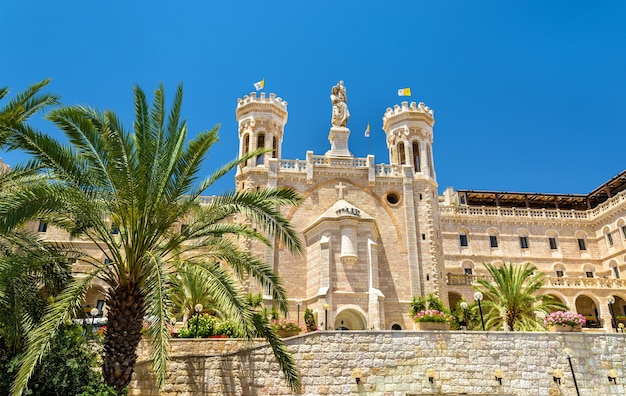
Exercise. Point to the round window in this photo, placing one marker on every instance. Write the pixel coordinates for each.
(393, 198)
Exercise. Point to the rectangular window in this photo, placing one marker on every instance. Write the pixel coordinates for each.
(581, 244)
(609, 239)
(559, 274)
(523, 242)
(493, 241)
(624, 231)
(589, 274)
(463, 239)
(115, 229)
(616, 272)
(467, 271)
(43, 227)
(553, 245)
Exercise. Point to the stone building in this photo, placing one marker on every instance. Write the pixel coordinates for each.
(378, 234)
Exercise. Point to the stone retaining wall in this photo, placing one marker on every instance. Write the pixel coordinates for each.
(394, 363)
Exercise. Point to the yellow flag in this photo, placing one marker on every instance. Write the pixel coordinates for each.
(259, 85)
(367, 130)
(404, 92)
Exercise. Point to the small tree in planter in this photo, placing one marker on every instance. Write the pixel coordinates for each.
(309, 320)
(285, 327)
(430, 309)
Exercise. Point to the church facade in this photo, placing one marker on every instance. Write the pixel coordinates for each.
(377, 234)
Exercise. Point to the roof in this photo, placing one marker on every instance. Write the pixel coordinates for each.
(545, 200)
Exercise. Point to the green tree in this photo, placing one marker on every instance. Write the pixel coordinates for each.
(146, 182)
(511, 297)
(188, 290)
(19, 109)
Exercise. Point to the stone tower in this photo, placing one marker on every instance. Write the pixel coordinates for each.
(261, 125)
(409, 131)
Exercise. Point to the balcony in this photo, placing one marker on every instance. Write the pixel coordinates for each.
(579, 282)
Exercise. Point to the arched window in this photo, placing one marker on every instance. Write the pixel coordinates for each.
(274, 147)
(429, 154)
(615, 269)
(608, 236)
(246, 144)
(401, 154)
(582, 240)
(416, 156)
(260, 143)
(559, 270)
(396, 326)
(493, 238)
(523, 239)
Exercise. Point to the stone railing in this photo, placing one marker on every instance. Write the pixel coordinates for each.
(535, 213)
(551, 281)
(285, 165)
(514, 212)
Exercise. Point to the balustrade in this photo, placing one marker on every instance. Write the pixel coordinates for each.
(535, 213)
(563, 281)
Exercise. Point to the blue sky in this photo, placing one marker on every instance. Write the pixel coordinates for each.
(528, 96)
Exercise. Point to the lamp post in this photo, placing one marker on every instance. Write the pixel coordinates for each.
(611, 300)
(197, 309)
(326, 307)
(298, 304)
(94, 312)
(478, 296)
(568, 354)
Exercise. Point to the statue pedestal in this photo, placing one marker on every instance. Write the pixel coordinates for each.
(338, 138)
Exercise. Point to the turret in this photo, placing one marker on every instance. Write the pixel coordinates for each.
(409, 130)
(261, 124)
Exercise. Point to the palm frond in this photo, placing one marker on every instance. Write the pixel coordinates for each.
(38, 339)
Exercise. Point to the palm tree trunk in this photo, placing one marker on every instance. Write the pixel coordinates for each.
(125, 319)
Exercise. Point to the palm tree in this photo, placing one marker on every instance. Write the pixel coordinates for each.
(187, 291)
(145, 181)
(18, 110)
(511, 297)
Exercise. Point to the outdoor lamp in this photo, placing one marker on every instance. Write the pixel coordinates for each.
(478, 296)
(299, 304)
(464, 305)
(94, 312)
(611, 300)
(326, 307)
(197, 309)
(567, 352)
(430, 373)
(612, 375)
(557, 374)
(499, 374)
(357, 374)
(620, 326)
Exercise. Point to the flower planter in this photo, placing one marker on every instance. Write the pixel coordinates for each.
(432, 326)
(286, 334)
(564, 329)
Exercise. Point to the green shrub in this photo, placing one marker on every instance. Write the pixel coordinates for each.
(205, 327)
(227, 328)
(70, 367)
(309, 320)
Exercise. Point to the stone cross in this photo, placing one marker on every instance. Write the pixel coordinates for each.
(340, 187)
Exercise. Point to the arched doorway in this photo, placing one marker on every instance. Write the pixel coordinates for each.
(586, 306)
(349, 319)
(454, 298)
